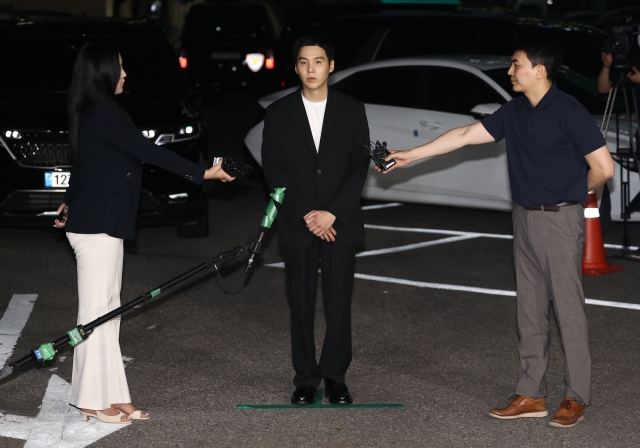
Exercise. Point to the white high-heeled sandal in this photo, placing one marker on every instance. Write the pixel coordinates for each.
(104, 417)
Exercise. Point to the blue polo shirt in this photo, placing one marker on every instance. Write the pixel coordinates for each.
(546, 146)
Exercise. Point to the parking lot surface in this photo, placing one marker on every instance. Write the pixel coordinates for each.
(434, 329)
(428, 333)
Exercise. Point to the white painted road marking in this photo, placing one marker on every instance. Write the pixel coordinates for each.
(390, 250)
(58, 424)
(456, 232)
(457, 236)
(494, 292)
(12, 323)
(379, 206)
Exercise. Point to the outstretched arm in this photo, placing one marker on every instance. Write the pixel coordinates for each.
(601, 167)
(474, 134)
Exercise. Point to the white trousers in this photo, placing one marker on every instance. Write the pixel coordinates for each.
(98, 378)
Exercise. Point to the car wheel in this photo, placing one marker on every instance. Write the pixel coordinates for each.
(198, 228)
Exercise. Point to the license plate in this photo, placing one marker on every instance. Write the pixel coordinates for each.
(225, 56)
(57, 179)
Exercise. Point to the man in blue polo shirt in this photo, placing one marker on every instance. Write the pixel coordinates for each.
(556, 154)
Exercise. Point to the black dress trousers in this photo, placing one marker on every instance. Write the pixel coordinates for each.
(337, 266)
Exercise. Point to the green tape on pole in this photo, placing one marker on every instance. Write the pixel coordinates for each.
(272, 211)
(156, 292)
(320, 405)
(47, 351)
(74, 337)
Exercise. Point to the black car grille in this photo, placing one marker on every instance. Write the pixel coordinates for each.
(32, 202)
(41, 149)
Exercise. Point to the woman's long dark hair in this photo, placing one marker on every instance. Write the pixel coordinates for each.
(95, 76)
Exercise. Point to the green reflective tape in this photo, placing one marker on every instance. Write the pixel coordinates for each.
(47, 351)
(74, 337)
(320, 405)
(156, 292)
(271, 212)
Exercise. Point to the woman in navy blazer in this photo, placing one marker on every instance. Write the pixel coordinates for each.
(102, 204)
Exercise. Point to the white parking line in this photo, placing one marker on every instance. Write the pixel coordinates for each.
(456, 232)
(493, 292)
(390, 250)
(13, 321)
(378, 206)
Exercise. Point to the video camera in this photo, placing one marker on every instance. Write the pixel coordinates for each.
(622, 39)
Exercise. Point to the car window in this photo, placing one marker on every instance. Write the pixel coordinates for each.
(584, 89)
(457, 91)
(151, 65)
(388, 86)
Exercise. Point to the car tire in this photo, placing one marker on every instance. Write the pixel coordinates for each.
(198, 228)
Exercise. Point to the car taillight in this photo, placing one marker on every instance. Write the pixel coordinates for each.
(270, 63)
(183, 62)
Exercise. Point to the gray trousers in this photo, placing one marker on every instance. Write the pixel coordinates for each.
(547, 251)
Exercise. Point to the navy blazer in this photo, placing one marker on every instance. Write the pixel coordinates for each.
(330, 179)
(105, 184)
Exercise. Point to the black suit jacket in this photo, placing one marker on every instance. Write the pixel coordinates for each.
(330, 179)
(104, 188)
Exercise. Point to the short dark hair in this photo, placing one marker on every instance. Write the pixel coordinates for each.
(541, 51)
(312, 41)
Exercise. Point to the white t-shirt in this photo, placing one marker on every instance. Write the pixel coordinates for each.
(315, 114)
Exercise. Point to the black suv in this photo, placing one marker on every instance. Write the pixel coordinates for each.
(231, 44)
(38, 57)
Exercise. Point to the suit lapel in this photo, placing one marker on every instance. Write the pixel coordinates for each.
(299, 117)
(331, 115)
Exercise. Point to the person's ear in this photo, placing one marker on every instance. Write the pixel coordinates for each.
(541, 71)
(331, 66)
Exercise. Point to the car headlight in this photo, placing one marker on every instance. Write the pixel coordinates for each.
(16, 135)
(149, 133)
(184, 133)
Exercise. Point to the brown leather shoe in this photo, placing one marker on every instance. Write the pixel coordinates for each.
(520, 407)
(569, 414)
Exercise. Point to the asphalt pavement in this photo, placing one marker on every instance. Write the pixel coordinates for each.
(433, 329)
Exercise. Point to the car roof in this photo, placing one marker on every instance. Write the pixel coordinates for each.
(475, 61)
(478, 61)
(72, 26)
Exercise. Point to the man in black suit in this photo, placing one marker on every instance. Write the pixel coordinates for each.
(312, 145)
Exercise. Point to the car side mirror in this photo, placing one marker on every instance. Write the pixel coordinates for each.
(484, 110)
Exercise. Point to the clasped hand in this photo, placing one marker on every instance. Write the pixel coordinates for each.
(320, 223)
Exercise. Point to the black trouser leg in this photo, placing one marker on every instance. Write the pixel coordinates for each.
(301, 266)
(338, 264)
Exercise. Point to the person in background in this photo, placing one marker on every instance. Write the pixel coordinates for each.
(101, 206)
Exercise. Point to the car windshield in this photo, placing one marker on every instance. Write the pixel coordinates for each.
(43, 65)
(584, 89)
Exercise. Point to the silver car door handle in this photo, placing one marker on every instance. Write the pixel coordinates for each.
(431, 124)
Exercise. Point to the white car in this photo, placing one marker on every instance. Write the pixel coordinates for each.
(412, 101)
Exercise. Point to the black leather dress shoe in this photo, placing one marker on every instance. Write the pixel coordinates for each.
(304, 395)
(337, 393)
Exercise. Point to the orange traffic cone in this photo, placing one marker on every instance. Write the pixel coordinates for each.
(594, 261)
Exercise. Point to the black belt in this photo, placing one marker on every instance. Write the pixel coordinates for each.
(551, 208)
